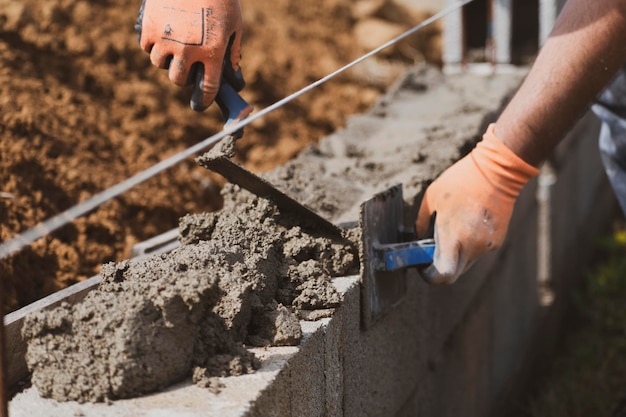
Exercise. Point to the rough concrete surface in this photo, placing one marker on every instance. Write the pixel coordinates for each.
(152, 320)
(263, 270)
(230, 397)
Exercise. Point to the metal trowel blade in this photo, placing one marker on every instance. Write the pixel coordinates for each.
(381, 221)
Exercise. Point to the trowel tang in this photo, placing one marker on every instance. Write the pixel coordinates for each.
(394, 256)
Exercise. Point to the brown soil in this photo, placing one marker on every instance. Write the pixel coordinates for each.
(83, 109)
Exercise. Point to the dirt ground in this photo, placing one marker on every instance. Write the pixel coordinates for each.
(83, 109)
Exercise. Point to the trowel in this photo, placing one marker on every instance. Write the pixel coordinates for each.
(234, 108)
(388, 252)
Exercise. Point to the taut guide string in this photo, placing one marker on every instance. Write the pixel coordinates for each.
(42, 229)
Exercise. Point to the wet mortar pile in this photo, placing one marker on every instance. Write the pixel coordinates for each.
(243, 276)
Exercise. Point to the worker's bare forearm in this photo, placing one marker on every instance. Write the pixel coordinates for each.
(583, 53)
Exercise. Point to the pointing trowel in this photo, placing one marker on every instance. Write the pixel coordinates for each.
(234, 108)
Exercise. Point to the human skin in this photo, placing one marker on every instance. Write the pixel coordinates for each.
(583, 53)
(190, 39)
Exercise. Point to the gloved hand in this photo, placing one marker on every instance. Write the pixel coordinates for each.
(473, 201)
(190, 38)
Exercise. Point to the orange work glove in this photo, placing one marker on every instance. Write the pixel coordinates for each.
(473, 202)
(190, 39)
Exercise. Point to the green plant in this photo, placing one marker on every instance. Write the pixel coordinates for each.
(589, 375)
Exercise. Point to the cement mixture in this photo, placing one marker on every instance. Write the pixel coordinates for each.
(246, 274)
(240, 277)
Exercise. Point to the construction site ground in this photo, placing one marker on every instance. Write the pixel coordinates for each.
(83, 109)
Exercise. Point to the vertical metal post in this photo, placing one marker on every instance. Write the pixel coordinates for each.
(4, 410)
(502, 30)
(548, 12)
(546, 180)
(453, 39)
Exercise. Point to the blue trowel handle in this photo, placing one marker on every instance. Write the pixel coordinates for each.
(234, 108)
(394, 256)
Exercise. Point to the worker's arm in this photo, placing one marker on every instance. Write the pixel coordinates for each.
(473, 199)
(586, 48)
(190, 38)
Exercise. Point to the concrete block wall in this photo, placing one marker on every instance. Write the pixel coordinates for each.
(469, 349)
